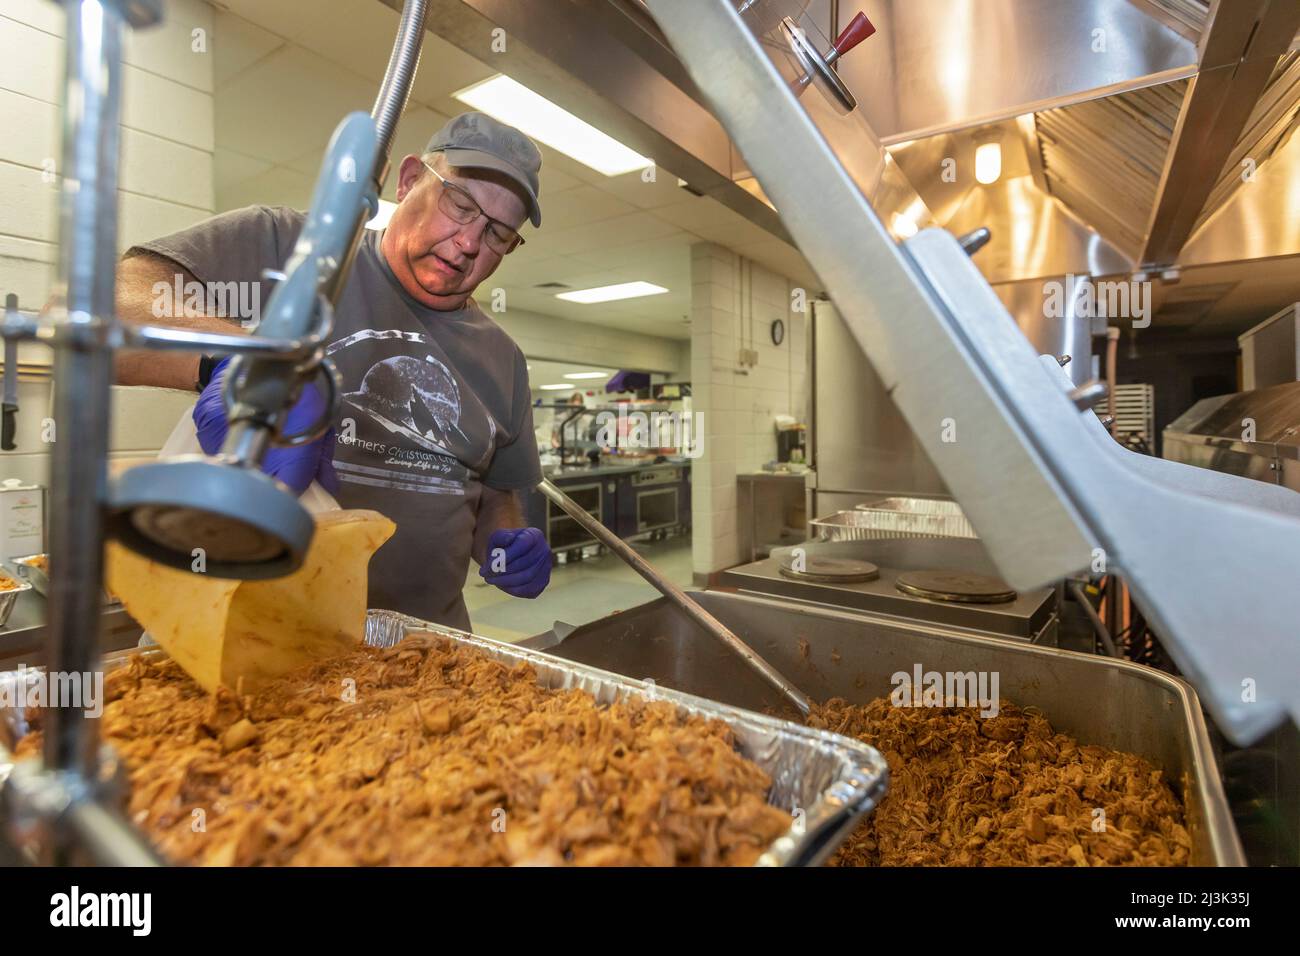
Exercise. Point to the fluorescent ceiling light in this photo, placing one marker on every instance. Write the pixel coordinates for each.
(556, 388)
(538, 117)
(988, 163)
(380, 221)
(587, 375)
(608, 293)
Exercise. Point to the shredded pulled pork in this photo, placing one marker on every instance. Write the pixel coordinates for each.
(428, 753)
(1003, 791)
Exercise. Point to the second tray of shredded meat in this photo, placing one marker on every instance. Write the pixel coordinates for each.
(1003, 791)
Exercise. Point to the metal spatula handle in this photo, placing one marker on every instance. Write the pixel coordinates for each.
(675, 594)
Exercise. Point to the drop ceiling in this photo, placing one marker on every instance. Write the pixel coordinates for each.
(286, 72)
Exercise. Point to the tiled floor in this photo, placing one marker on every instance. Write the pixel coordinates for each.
(578, 593)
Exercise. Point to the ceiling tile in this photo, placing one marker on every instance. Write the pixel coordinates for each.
(523, 275)
(693, 213)
(417, 127)
(554, 178)
(580, 205)
(620, 230)
(444, 69)
(554, 161)
(278, 18)
(286, 104)
(356, 34)
(672, 248)
(709, 219)
(660, 191)
(237, 45)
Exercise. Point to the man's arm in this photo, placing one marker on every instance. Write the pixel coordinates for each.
(496, 509)
(136, 279)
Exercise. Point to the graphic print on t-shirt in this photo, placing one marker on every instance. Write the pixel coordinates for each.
(411, 430)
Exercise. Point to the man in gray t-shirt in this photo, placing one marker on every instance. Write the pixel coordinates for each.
(436, 427)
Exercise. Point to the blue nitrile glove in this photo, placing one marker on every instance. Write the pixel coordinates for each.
(521, 559)
(296, 467)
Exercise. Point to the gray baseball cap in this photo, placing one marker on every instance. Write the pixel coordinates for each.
(477, 141)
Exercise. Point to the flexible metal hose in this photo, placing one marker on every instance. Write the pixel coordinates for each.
(394, 91)
(1094, 618)
(396, 88)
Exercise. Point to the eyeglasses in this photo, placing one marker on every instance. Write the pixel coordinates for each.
(457, 204)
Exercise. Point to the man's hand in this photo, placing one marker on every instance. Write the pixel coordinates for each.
(518, 562)
(296, 467)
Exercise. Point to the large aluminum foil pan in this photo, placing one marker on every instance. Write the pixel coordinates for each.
(9, 596)
(28, 567)
(833, 780)
(895, 518)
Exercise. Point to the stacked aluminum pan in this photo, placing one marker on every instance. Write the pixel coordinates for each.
(31, 569)
(835, 781)
(9, 595)
(895, 518)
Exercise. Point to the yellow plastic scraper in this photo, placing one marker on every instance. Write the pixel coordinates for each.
(240, 634)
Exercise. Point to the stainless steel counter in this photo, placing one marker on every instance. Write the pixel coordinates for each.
(778, 476)
(22, 640)
(558, 473)
(766, 526)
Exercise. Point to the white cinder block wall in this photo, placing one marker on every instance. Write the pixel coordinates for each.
(733, 304)
(165, 184)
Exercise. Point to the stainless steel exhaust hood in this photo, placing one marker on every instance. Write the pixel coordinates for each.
(1124, 123)
(951, 65)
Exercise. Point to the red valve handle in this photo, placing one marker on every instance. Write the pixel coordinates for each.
(859, 29)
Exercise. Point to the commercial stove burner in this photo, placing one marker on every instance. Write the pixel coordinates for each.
(957, 587)
(830, 570)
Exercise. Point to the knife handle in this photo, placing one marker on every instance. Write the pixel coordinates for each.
(8, 425)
